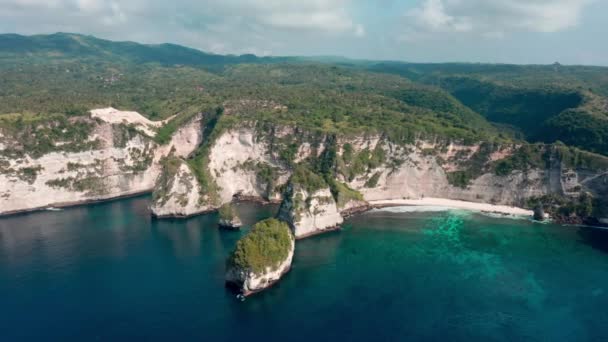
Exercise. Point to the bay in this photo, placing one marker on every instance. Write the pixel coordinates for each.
(110, 272)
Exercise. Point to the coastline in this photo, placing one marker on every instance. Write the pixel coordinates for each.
(73, 204)
(453, 204)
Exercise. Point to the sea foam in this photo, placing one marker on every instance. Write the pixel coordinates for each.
(414, 208)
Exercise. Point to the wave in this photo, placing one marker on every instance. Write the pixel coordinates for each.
(414, 209)
(437, 209)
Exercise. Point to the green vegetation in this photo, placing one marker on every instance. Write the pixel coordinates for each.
(90, 184)
(541, 103)
(170, 167)
(523, 159)
(164, 134)
(471, 168)
(522, 107)
(575, 158)
(343, 194)
(227, 212)
(563, 208)
(373, 180)
(265, 174)
(307, 179)
(356, 164)
(199, 163)
(267, 245)
(49, 83)
(541, 156)
(141, 160)
(36, 135)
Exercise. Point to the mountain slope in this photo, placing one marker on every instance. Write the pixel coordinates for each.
(543, 103)
(347, 133)
(60, 46)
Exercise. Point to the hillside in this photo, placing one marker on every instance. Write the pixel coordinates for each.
(242, 125)
(541, 103)
(70, 46)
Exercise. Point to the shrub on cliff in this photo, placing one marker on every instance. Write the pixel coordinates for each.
(265, 246)
(307, 179)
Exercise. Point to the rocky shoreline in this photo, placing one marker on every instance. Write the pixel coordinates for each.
(237, 288)
(261, 258)
(74, 204)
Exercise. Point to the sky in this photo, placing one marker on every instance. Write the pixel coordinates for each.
(494, 31)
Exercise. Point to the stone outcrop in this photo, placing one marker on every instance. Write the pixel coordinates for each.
(248, 282)
(307, 213)
(117, 162)
(229, 218)
(235, 159)
(255, 271)
(231, 224)
(176, 192)
(539, 213)
(244, 163)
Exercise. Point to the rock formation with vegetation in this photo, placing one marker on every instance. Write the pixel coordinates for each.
(260, 258)
(514, 135)
(229, 218)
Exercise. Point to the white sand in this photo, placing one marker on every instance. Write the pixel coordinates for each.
(115, 116)
(454, 204)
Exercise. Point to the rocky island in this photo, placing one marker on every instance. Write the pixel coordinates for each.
(229, 218)
(261, 258)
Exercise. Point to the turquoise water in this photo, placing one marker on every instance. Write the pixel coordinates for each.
(110, 272)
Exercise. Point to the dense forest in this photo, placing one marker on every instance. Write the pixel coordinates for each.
(63, 75)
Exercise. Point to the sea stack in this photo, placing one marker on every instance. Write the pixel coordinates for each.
(260, 258)
(539, 213)
(229, 218)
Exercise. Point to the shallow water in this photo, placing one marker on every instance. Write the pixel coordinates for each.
(110, 272)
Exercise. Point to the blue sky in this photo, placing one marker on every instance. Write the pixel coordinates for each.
(503, 31)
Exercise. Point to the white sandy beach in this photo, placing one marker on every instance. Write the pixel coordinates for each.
(455, 204)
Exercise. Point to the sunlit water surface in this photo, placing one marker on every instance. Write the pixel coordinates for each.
(110, 272)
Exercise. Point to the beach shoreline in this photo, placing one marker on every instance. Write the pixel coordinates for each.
(453, 204)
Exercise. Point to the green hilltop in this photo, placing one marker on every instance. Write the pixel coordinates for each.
(46, 77)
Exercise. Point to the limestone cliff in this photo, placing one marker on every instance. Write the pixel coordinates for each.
(309, 213)
(175, 193)
(244, 161)
(110, 161)
(237, 160)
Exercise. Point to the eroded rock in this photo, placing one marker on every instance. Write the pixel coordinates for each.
(261, 258)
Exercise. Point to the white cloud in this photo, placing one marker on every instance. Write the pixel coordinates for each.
(235, 26)
(360, 31)
(491, 19)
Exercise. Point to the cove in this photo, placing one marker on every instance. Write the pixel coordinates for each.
(110, 272)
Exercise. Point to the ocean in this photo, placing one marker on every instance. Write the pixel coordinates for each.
(110, 272)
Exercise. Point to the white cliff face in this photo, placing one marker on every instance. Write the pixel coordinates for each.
(177, 195)
(119, 165)
(185, 140)
(249, 282)
(130, 165)
(141, 123)
(70, 178)
(228, 158)
(310, 214)
(421, 175)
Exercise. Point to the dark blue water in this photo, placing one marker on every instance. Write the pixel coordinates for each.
(109, 272)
